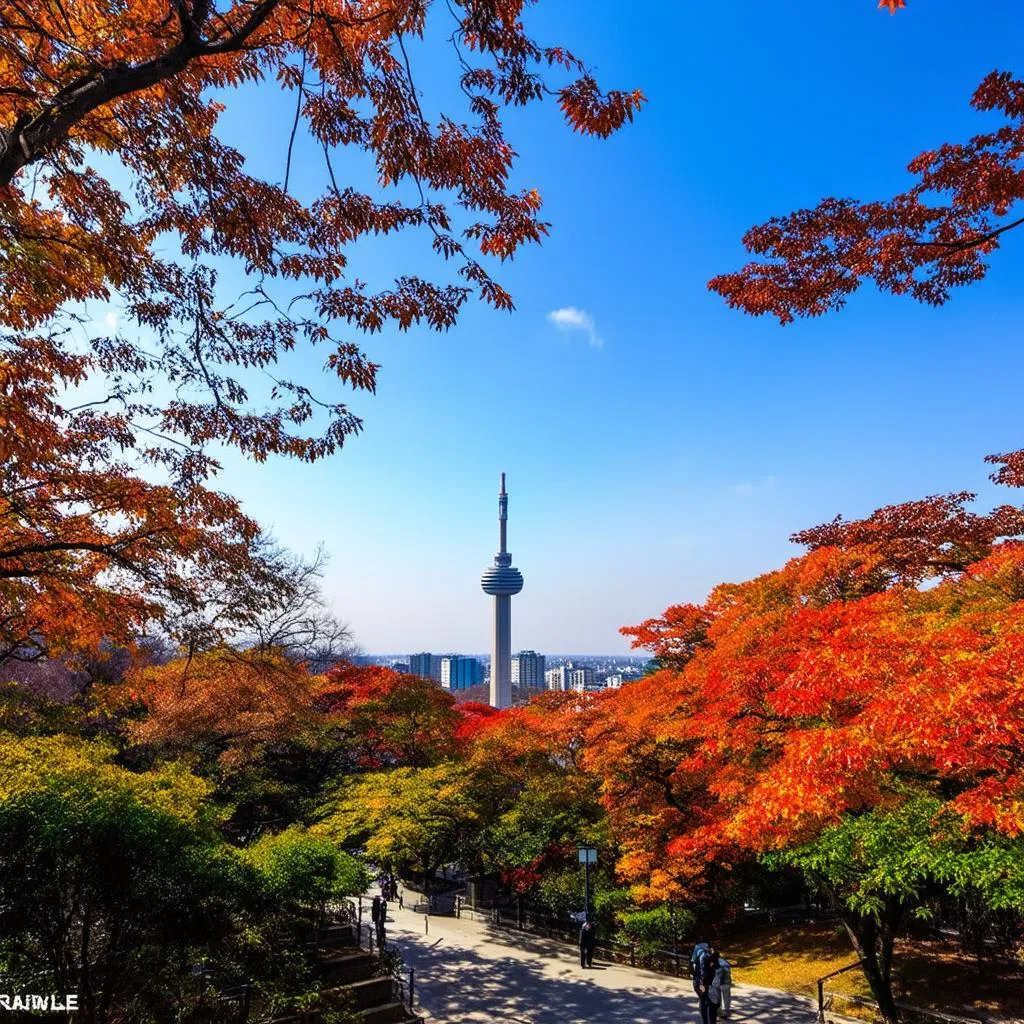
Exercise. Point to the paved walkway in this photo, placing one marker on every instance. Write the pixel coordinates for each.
(470, 971)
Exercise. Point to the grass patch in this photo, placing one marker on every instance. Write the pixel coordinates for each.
(931, 974)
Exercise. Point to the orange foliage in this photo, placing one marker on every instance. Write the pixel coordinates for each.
(825, 687)
(137, 82)
(393, 718)
(90, 551)
(236, 701)
(475, 717)
(926, 241)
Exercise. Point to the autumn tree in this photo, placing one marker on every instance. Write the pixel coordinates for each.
(392, 718)
(534, 801)
(634, 754)
(840, 718)
(231, 699)
(116, 185)
(414, 819)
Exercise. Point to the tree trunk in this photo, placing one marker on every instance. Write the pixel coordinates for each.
(873, 938)
(85, 976)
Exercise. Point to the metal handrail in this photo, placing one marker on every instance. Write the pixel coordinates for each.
(821, 987)
(917, 1011)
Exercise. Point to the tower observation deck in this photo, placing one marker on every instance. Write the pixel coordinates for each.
(501, 581)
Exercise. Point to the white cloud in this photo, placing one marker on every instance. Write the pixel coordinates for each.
(111, 320)
(569, 318)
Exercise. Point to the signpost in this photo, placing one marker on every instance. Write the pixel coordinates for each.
(588, 856)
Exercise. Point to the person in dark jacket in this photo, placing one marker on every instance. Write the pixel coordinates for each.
(698, 954)
(379, 914)
(588, 941)
(710, 986)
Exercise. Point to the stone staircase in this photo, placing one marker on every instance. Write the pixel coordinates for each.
(345, 968)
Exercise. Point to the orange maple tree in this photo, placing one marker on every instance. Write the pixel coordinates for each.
(840, 717)
(393, 719)
(235, 702)
(116, 185)
(93, 555)
(135, 82)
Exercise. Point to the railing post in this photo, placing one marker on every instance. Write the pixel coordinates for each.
(632, 955)
(821, 1000)
(458, 907)
(412, 986)
(359, 925)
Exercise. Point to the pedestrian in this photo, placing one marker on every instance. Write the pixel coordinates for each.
(588, 940)
(725, 978)
(698, 954)
(378, 914)
(709, 987)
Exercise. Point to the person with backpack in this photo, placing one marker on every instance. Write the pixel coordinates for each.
(709, 987)
(699, 951)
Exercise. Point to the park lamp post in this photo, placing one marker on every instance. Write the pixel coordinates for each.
(588, 856)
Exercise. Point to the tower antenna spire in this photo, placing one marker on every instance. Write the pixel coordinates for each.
(502, 517)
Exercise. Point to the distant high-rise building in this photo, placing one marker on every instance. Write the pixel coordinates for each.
(460, 673)
(400, 666)
(427, 666)
(528, 670)
(613, 682)
(502, 581)
(557, 678)
(581, 678)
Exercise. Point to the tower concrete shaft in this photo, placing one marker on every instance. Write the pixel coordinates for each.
(501, 581)
(501, 652)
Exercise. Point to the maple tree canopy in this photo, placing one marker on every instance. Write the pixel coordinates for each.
(116, 186)
(840, 717)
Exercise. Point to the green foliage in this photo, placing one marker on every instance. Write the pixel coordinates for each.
(562, 891)
(116, 877)
(653, 928)
(300, 868)
(418, 818)
(895, 854)
(552, 809)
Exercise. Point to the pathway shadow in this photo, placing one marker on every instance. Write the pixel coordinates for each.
(459, 985)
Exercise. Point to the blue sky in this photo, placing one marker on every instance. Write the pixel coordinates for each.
(685, 448)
